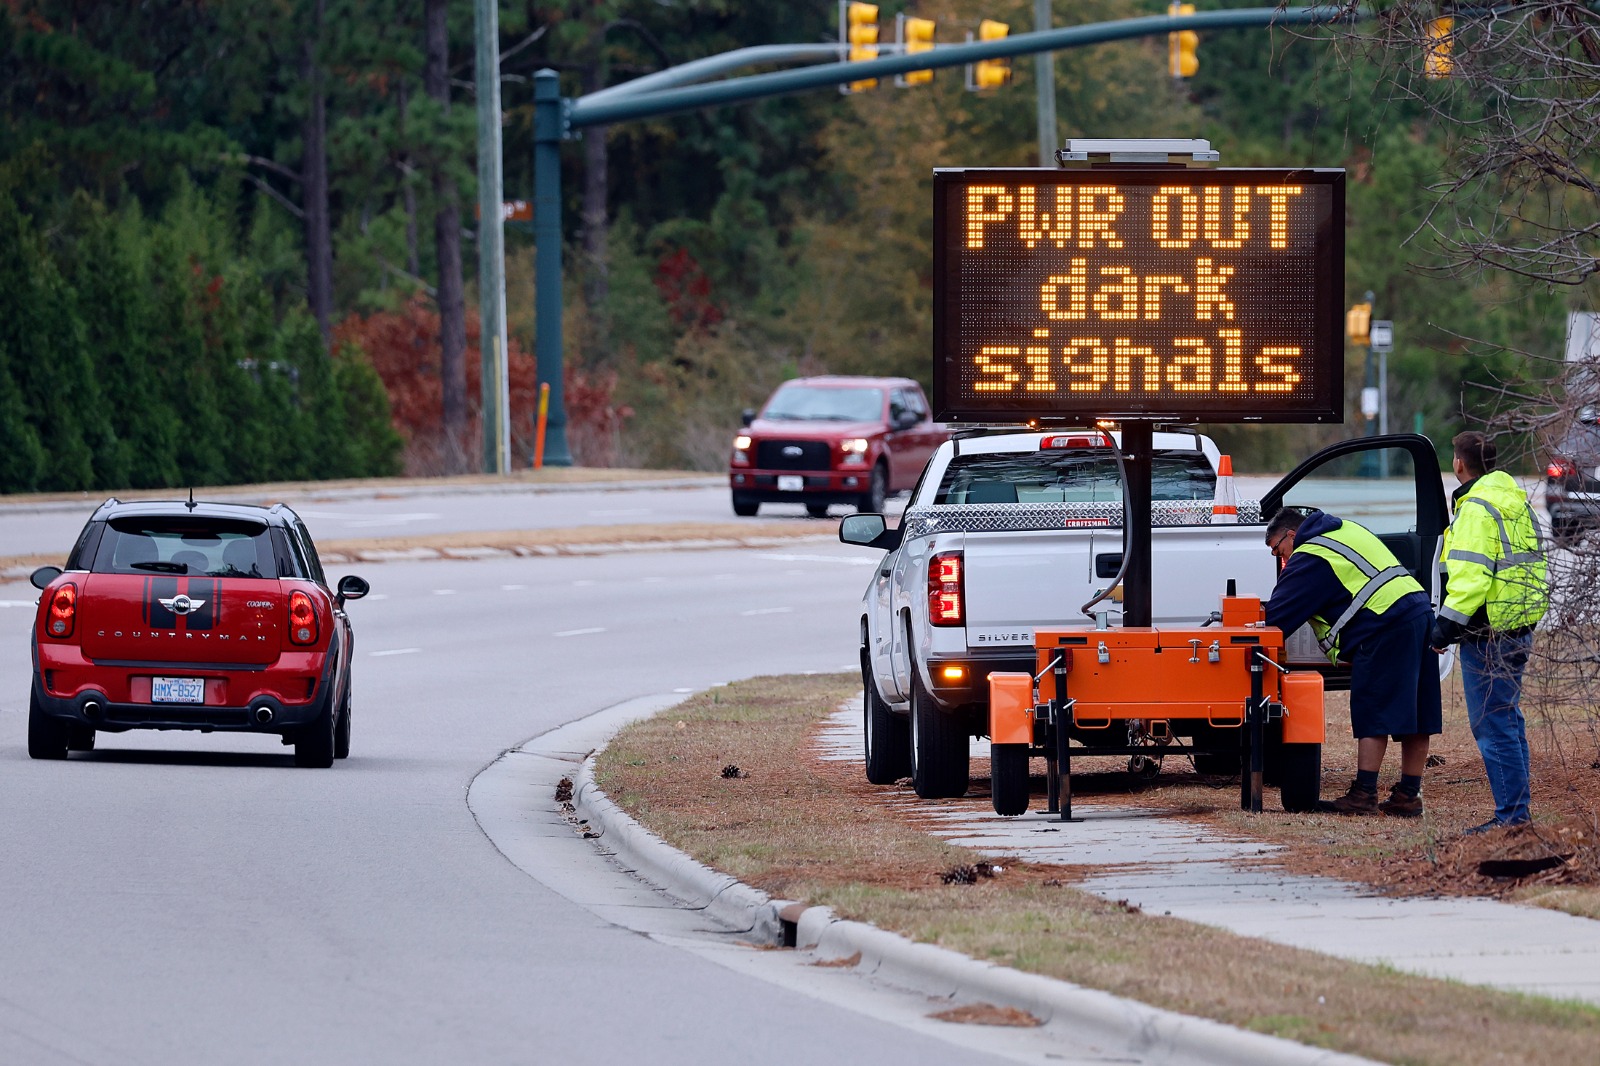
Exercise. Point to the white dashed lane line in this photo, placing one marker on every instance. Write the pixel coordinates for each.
(767, 610)
(16, 603)
(579, 632)
(847, 560)
(395, 651)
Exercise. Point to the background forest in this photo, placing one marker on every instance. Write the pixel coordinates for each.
(237, 238)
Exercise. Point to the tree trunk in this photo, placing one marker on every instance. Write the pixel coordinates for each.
(447, 244)
(314, 184)
(596, 273)
(408, 192)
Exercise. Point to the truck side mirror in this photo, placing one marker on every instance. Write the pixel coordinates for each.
(746, 417)
(905, 419)
(869, 531)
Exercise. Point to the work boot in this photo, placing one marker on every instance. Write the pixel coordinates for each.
(1402, 804)
(1356, 801)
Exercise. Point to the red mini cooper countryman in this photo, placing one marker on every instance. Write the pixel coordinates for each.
(202, 616)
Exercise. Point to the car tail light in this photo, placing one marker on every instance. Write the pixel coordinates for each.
(63, 611)
(945, 589)
(1560, 468)
(302, 619)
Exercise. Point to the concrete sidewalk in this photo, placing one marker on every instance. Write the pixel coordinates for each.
(1171, 866)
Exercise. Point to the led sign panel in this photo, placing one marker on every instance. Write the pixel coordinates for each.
(1179, 295)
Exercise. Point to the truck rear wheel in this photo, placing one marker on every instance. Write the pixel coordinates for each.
(940, 762)
(887, 744)
(1008, 778)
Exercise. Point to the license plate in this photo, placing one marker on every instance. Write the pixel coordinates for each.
(177, 690)
(791, 483)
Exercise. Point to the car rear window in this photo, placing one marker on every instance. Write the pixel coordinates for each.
(213, 547)
(1057, 476)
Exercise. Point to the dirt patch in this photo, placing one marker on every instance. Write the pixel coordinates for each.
(810, 829)
(988, 1014)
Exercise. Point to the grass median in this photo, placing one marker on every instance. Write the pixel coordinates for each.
(732, 777)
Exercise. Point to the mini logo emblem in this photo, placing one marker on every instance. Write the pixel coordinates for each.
(792, 451)
(181, 604)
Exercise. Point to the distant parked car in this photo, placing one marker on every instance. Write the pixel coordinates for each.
(826, 440)
(1572, 478)
(204, 616)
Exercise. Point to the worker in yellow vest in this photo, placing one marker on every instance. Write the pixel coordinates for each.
(1496, 593)
(1367, 610)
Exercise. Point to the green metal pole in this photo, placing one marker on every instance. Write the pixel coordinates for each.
(1044, 66)
(549, 129)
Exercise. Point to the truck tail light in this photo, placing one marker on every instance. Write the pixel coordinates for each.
(1072, 440)
(945, 590)
(302, 619)
(63, 611)
(1560, 468)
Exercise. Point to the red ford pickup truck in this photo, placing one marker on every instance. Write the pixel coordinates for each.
(827, 440)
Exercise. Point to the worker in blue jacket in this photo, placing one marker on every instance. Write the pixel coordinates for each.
(1366, 609)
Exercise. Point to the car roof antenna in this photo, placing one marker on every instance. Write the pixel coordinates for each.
(190, 504)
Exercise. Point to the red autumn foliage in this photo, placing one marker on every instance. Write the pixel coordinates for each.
(403, 346)
(684, 285)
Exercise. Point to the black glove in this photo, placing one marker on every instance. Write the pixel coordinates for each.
(1445, 633)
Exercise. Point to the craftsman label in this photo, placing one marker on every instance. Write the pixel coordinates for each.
(1190, 295)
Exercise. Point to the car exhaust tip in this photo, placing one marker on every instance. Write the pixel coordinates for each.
(92, 709)
(263, 715)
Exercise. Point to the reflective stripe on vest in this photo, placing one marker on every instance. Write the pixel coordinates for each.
(1509, 556)
(1376, 580)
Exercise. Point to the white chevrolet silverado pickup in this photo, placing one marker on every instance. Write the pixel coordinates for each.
(1006, 531)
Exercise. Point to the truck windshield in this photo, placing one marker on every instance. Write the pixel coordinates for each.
(1069, 477)
(810, 403)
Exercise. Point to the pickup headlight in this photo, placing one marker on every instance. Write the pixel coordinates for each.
(741, 450)
(853, 451)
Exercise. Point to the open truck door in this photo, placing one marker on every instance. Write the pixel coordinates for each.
(1390, 484)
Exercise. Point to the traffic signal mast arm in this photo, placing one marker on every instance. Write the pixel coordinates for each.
(587, 111)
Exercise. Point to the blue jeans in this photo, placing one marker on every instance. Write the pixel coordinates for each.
(1491, 674)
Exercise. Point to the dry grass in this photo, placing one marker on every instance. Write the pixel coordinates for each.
(805, 829)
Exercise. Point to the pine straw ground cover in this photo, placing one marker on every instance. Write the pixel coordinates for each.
(732, 778)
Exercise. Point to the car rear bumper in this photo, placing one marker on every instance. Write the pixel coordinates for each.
(831, 486)
(963, 680)
(115, 698)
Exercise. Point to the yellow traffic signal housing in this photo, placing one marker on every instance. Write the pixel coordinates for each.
(1437, 61)
(916, 35)
(858, 30)
(990, 73)
(1358, 324)
(1183, 47)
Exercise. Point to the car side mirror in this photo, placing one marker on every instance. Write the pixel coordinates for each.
(906, 420)
(352, 587)
(869, 531)
(746, 417)
(41, 578)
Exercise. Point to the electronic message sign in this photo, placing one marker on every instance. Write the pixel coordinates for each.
(1158, 293)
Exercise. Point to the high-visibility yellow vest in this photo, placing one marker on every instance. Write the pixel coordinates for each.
(1368, 571)
(1494, 557)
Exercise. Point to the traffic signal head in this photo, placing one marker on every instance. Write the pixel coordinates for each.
(916, 35)
(859, 30)
(1183, 47)
(991, 73)
(1438, 62)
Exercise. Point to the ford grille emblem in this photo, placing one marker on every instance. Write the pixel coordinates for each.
(181, 604)
(793, 451)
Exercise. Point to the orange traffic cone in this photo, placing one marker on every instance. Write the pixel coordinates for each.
(1225, 504)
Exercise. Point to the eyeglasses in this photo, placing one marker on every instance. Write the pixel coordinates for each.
(1285, 538)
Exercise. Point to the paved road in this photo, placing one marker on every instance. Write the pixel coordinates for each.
(176, 898)
(29, 528)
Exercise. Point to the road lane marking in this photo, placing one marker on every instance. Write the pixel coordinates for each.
(444, 592)
(394, 651)
(579, 632)
(17, 603)
(848, 560)
(767, 610)
(512, 588)
(620, 512)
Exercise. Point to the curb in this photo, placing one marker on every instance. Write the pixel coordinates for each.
(1160, 1036)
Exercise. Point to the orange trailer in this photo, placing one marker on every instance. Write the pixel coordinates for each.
(1146, 691)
